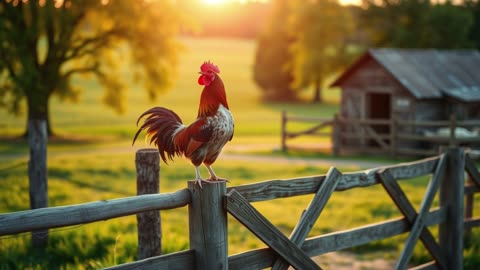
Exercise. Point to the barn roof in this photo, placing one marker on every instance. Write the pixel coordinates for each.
(429, 73)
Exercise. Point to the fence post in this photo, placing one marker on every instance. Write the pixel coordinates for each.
(208, 225)
(451, 197)
(453, 123)
(147, 163)
(284, 131)
(37, 174)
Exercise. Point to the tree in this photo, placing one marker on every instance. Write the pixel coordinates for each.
(451, 35)
(418, 24)
(395, 23)
(320, 30)
(474, 7)
(272, 71)
(44, 43)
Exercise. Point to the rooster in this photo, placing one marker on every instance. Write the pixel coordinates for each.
(201, 141)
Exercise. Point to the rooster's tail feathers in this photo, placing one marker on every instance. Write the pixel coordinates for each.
(161, 125)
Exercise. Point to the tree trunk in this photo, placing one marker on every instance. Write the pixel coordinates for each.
(37, 174)
(38, 108)
(317, 95)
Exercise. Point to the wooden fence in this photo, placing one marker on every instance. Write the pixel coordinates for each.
(382, 136)
(208, 208)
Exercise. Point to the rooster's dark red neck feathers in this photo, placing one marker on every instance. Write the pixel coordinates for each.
(213, 95)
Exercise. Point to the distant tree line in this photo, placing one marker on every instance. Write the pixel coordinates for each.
(304, 42)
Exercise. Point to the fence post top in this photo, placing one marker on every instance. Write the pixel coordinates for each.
(147, 150)
(207, 184)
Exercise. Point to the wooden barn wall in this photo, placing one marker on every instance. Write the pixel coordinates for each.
(464, 111)
(371, 77)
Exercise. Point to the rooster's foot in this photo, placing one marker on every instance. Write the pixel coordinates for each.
(199, 182)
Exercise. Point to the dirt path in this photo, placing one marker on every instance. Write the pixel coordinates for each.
(350, 261)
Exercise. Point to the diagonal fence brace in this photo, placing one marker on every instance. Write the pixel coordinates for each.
(246, 214)
(472, 171)
(418, 227)
(312, 213)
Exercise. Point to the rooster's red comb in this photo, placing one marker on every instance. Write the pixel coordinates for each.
(209, 66)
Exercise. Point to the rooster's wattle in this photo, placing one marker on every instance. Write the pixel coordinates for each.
(201, 141)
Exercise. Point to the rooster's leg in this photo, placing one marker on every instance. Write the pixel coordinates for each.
(213, 176)
(198, 177)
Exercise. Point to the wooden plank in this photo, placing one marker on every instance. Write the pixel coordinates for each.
(149, 230)
(292, 135)
(422, 138)
(353, 121)
(435, 139)
(471, 189)
(413, 169)
(472, 171)
(183, 260)
(472, 222)
(349, 135)
(308, 119)
(311, 130)
(252, 259)
(417, 123)
(318, 245)
(418, 225)
(244, 212)
(404, 205)
(207, 220)
(54, 217)
(312, 213)
(377, 138)
(274, 189)
(452, 196)
(362, 235)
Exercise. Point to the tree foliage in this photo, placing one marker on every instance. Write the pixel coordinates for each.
(45, 43)
(320, 48)
(272, 70)
(474, 7)
(418, 24)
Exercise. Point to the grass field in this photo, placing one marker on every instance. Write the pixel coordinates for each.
(95, 161)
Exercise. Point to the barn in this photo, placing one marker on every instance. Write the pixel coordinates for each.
(409, 85)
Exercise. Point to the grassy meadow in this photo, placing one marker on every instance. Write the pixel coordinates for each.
(92, 159)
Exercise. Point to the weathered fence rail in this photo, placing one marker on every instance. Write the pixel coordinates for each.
(398, 137)
(208, 208)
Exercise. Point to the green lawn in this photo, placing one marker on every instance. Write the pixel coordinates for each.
(96, 162)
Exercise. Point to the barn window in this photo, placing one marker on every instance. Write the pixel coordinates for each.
(402, 103)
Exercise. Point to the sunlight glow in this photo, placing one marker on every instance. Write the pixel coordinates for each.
(221, 2)
(214, 2)
(350, 2)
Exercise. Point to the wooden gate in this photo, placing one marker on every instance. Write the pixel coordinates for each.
(293, 250)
